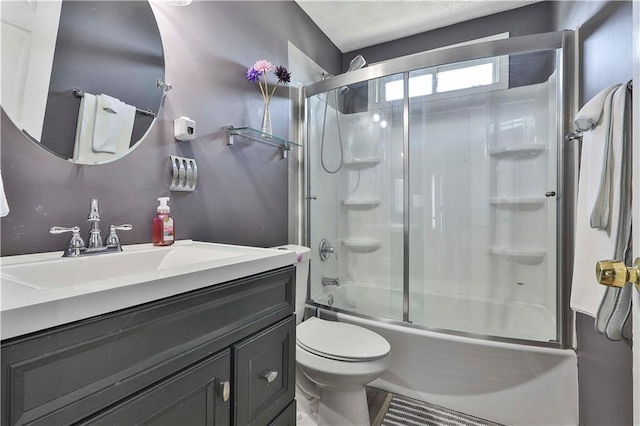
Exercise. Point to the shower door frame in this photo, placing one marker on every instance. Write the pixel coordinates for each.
(566, 166)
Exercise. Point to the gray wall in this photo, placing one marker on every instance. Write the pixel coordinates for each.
(523, 21)
(604, 367)
(241, 196)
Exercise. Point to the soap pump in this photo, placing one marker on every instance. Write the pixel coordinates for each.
(162, 224)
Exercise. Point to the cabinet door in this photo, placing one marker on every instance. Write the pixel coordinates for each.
(193, 397)
(265, 374)
(287, 417)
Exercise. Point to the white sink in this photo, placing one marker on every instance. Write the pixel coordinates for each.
(44, 290)
(87, 270)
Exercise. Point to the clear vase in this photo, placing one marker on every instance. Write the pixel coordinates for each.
(265, 127)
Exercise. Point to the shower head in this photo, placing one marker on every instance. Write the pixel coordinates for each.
(357, 63)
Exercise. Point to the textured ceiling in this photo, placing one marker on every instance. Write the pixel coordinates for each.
(353, 24)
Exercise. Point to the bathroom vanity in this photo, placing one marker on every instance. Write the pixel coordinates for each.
(215, 353)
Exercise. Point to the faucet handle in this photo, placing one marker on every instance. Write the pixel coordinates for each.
(76, 243)
(61, 229)
(112, 239)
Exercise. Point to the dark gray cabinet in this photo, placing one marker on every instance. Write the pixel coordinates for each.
(192, 397)
(265, 374)
(166, 362)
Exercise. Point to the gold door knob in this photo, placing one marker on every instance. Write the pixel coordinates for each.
(614, 273)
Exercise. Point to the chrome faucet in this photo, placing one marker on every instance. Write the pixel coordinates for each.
(95, 239)
(327, 281)
(76, 246)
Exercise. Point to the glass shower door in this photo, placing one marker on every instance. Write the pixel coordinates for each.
(355, 186)
(482, 161)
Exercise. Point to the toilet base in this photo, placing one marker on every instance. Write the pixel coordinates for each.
(345, 407)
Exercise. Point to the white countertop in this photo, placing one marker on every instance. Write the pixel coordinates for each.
(25, 309)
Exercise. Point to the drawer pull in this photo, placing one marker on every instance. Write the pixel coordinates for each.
(270, 376)
(225, 389)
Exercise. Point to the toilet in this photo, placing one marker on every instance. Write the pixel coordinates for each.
(334, 362)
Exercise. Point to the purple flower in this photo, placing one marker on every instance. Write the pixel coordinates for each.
(283, 75)
(253, 74)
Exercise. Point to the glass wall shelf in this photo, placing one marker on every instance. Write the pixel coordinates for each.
(259, 136)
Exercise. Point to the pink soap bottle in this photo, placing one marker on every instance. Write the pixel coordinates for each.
(162, 225)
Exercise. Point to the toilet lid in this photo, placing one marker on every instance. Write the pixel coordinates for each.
(340, 341)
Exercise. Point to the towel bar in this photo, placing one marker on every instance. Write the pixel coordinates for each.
(571, 136)
(79, 94)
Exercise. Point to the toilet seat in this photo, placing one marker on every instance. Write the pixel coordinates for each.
(341, 341)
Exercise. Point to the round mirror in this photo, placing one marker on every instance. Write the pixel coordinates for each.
(82, 79)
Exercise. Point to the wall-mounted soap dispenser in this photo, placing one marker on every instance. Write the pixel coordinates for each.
(184, 129)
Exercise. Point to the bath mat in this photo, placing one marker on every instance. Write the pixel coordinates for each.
(405, 411)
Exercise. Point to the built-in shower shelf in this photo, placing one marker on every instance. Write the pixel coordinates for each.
(361, 163)
(527, 150)
(361, 245)
(519, 203)
(361, 204)
(525, 256)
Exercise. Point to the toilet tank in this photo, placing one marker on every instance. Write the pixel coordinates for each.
(302, 274)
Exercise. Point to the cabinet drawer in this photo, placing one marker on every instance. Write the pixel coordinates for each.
(61, 375)
(265, 374)
(192, 397)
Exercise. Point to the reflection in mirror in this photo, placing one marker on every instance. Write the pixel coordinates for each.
(79, 78)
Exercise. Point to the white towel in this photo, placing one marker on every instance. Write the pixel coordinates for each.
(594, 119)
(114, 124)
(4, 206)
(590, 114)
(84, 128)
(83, 151)
(593, 244)
(612, 319)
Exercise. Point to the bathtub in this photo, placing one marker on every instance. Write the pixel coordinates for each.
(508, 383)
(477, 315)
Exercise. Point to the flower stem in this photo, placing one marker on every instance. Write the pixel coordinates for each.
(273, 91)
(265, 95)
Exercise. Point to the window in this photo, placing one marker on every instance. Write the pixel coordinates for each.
(486, 73)
(465, 77)
(420, 85)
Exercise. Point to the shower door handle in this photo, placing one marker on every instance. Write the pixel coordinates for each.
(614, 273)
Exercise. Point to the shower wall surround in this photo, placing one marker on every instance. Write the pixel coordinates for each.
(242, 195)
(481, 178)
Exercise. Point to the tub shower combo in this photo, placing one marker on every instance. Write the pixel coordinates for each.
(439, 195)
